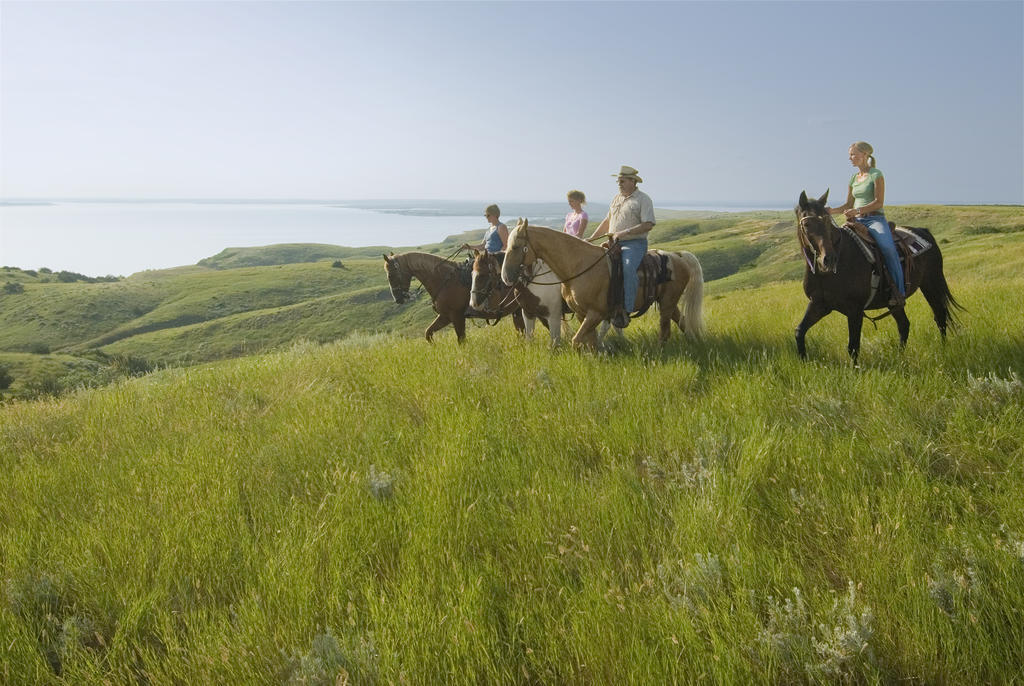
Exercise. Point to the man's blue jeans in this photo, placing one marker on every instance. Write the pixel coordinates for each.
(633, 252)
(879, 228)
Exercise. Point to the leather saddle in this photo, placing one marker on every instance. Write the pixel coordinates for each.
(653, 271)
(908, 246)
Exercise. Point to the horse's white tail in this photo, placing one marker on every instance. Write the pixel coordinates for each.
(693, 297)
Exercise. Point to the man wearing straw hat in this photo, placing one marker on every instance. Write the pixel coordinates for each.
(630, 218)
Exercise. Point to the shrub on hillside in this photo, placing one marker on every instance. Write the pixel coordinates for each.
(129, 365)
(5, 378)
(13, 288)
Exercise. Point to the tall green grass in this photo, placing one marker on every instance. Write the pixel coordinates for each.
(381, 510)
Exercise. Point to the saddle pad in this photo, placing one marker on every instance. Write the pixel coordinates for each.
(914, 243)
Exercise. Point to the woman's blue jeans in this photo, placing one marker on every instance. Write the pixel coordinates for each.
(879, 228)
(633, 252)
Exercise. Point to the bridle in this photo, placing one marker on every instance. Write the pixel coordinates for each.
(807, 246)
(396, 268)
(484, 295)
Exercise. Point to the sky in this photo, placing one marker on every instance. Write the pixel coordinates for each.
(713, 102)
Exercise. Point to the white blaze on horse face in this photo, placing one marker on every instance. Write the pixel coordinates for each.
(513, 258)
(475, 288)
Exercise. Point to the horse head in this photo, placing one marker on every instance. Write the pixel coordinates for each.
(399, 278)
(816, 231)
(518, 254)
(485, 275)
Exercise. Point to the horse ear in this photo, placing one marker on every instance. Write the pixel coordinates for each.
(824, 199)
(803, 199)
(385, 257)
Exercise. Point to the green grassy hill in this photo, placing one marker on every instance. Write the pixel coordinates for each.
(248, 300)
(381, 510)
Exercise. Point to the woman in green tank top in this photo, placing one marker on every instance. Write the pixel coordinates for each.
(864, 202)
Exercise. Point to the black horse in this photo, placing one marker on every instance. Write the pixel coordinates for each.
(838, 277)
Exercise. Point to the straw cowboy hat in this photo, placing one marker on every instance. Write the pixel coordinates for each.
(629, 173)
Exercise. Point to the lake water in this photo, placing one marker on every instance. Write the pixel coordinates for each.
(97, 238)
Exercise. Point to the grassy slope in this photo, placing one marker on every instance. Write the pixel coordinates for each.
(496, 513)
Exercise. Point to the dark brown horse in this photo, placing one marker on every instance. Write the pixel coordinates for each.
(446, 284)
(838, 277)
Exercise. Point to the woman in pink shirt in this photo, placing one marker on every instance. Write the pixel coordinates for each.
(576, 221)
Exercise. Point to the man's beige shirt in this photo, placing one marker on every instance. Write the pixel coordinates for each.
(627, 212)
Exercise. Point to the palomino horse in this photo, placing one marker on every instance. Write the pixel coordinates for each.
(585, 272)
(838, 277)
(539, 294)
(442, 280)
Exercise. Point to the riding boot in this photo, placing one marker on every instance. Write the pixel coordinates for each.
(896, 299)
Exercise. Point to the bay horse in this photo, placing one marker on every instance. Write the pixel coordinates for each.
(443, 282)
(538, 293)
(838, 278)
(585, 272)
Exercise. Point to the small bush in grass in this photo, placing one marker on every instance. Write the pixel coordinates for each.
(1014, 544)
(835, 645)
(328, 664)
(992, 391)
(845, 637)
(694, 585)
(382, 484)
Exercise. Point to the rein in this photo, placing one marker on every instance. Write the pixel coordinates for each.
(553, 283)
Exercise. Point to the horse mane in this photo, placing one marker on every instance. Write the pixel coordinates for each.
(575, 243)
(419, 261)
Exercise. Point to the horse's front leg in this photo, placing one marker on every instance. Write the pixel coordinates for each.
(517, 320)
(854, 323)
(440, 321)
(815, 311)
(528, 325)
(586, 336)
(555, 328)
(459, 322)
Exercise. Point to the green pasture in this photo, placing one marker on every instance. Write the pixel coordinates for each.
(382, 510)
(246, 301)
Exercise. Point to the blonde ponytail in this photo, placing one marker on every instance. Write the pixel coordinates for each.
(867, 150)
